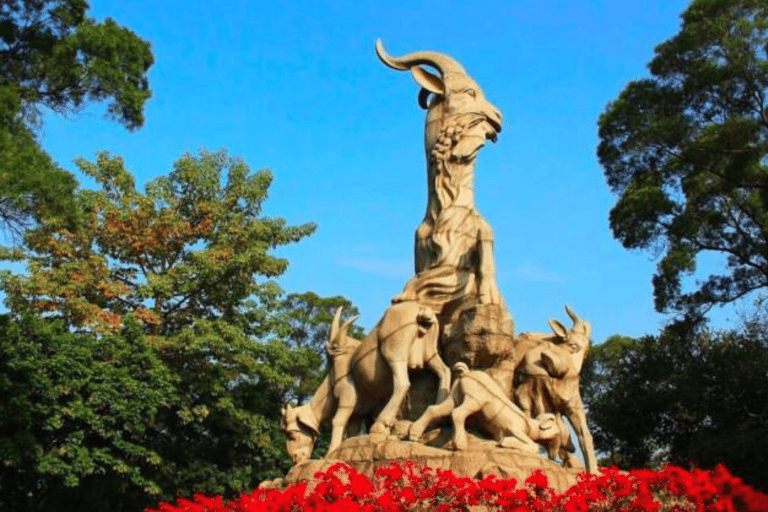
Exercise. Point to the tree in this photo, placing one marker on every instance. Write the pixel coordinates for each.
(52, 56)
(75, 413)
(120, 421)
(189, 248)
(686, 149)
(309, 318)
(31, 184)
(688, 396)
(188, 266)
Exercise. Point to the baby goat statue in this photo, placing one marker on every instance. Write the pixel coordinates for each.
(474, 391)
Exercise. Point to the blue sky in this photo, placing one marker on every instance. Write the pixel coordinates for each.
(296, 87)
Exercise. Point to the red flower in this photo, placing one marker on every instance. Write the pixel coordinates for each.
(537, 480)
(408, 487)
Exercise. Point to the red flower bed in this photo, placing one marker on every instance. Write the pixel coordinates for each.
(408, 487)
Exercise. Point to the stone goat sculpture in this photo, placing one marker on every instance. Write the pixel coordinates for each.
(547, 381)
(367, 376)
(454, 244)
(475, 391)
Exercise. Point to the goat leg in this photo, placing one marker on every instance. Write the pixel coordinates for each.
(433, 412)
(459, 416)
(400, 385)
(339, 424)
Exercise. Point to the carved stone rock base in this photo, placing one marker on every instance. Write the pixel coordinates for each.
(482, 334)
(482, 458)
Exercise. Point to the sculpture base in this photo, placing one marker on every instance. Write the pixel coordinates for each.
(482, 458)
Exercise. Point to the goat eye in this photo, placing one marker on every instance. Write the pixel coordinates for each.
(470, 91)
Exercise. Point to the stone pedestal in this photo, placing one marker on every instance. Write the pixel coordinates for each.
(483, 458)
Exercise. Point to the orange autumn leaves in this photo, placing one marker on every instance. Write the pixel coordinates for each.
(192, 246)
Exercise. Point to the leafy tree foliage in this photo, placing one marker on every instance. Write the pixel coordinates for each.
(688, 396)
(309, 318)
(184, 270)
(52, 56)
(686, 149)
(191, 247)
(119, 421)
(222, 435)
(75, 415)
(32, 186)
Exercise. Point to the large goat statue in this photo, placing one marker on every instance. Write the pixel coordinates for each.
(547, 381)
(366, 376)
(454, 244)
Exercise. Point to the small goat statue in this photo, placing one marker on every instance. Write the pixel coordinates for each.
(454, 244)
(475, 391)
(547, 381)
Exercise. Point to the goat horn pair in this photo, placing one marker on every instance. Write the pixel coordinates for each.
(439, 61)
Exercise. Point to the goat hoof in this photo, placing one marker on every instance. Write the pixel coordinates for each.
(414, 434)
(379, 428)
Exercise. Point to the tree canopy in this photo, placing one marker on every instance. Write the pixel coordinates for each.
(167, 293)
(190, 247)
(54, 57)
(75, 415)
(686, 396)
(686, 149)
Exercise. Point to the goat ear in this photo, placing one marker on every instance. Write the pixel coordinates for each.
(558, 328)
(427, 80)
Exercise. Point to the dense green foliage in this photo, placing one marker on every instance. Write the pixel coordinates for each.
(685, 151)
(76, 412)
(52, 56)
(686, 396)
(181, 275)
(147, 351)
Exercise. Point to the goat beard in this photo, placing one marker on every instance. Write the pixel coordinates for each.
(472, 140)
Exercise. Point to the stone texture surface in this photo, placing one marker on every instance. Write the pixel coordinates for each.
(450, 314)
(480, 336)
(483, 458)
(454, 245)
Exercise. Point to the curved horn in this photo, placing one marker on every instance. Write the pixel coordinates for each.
(439, 61)
(572, 314)
(577, 322)
(335, 324)
(346, 325)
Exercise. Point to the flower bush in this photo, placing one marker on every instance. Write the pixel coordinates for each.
(408, 487)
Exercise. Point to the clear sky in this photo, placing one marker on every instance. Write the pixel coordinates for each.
(296, 87)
